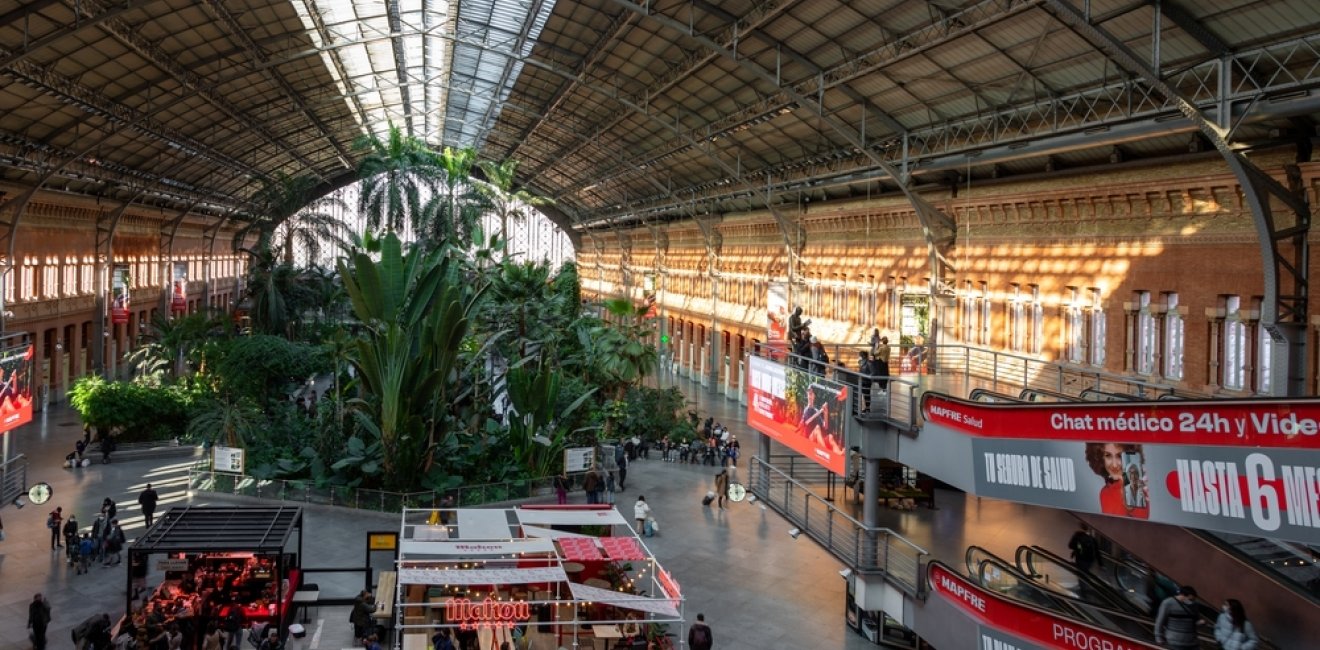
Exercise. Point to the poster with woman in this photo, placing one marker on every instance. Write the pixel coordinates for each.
(119, 294)
(179, 288)
(15, 386)
(802, 411)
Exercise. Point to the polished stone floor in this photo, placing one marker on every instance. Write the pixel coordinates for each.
(758, 587)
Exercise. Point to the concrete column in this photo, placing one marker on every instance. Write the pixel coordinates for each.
(701, 369)
(112, 354)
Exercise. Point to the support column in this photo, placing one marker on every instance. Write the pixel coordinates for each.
(870, 503)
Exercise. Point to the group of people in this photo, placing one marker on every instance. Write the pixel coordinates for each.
(104, 542)
(1177, 617)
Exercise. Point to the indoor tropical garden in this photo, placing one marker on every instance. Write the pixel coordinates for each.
(419, 360)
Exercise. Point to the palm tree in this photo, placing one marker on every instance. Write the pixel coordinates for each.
(398, 174)
(619, 354)
(311, 228)
(507, 202)
(453, 213)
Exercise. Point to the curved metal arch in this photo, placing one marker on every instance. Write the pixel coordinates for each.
(1286, 309)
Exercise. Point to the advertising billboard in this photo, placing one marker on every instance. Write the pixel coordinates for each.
(802, 411)
(119, 296)
(179, 288)
(1241, 466)
(15, 386)
(1005, 623)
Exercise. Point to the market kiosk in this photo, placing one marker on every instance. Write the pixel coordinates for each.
(562, 576)
(208, 563)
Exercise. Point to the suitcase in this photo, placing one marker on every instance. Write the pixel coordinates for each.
(708, 499)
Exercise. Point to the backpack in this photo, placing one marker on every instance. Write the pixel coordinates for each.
(50, 521)
(700, 636)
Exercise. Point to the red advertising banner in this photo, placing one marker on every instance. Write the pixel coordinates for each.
(1281, 423)
(776, 301)
(800, 410)
(1022, 622)
(15, 387)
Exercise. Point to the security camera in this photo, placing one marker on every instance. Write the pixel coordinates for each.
(794, 532)
(751, 498)
(845, 573)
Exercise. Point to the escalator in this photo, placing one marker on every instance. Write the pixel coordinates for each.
(1061, 575)
(996, 574)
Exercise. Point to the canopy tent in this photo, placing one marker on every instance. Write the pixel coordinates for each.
(567, 572)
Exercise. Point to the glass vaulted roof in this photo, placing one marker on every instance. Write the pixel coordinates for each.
(436, 68)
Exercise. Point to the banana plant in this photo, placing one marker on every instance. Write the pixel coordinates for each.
(535, 434)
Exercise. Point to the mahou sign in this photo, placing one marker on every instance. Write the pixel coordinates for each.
(470, 615)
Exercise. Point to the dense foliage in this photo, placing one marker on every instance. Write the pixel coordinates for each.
(436, 363)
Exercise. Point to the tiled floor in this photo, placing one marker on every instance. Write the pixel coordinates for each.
(758, 587)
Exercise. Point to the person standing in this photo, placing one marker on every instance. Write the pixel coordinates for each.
(114, 544)
(148, 500)
(54, 523)
(722, 485)
(561, 488)
(86, 548)
(1233, 631)
(621, 459)
(880, 363)
(38, 619)
(1175, 624)
(70, 531)
(590, 485)
(109, 508)
(1083, 548)
(699, 635)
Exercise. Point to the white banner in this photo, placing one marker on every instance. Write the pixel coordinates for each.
(620, 599)
(578, 459)
(570, 517)
(481, 576)
(475, 549)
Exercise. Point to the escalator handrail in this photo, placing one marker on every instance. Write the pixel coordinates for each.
(1029, 606)
(1077, 604)
(1107, 396)
(1253, 564)
(1063, 397)
(1092, 582)
(978, 393)
(1074, 608)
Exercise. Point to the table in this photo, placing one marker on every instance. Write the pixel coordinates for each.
(414, 641)
(573, 567)
(605, 633)
(597, 582)
(305, 599)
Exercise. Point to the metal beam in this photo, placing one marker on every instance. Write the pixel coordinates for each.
(1284, 250)
(533, 11)
(257, 53)
(940, 230)
(106, 225)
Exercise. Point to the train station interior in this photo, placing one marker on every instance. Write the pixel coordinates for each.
(1004, 302)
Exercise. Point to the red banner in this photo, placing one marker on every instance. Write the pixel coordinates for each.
(179, 288)
(15, 387)
(802, 411)
(1026, 623)
(1282, 423)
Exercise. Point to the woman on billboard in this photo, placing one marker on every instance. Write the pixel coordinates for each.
(1122, 467)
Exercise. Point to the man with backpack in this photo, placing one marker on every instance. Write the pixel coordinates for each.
(70, 531)
(699, 636)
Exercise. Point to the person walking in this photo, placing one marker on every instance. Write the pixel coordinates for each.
(722, 485)
(38, 619)
(1083, 548)
(1175, 624)
(1233, 631)
(54, 522)
(699, 635)
(641, 512)
(147, 499)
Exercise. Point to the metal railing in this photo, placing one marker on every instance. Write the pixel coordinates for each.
(307, 491)
(13, 479)
(863, 549)
(994, 370)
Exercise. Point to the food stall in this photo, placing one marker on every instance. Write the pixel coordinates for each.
(198, 564)
(570, 576)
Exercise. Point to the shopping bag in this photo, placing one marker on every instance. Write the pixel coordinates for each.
(655, 525)
(649, 528)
